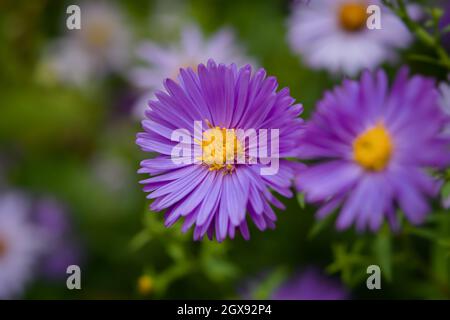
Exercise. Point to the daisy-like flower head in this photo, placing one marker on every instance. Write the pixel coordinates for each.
(20, 245)
(310, 284)
(372, 145)
(238, 123)
(333, 35)
(99, 47)
(193, 48)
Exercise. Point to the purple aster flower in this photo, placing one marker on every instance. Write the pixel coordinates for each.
(310, 285)
(372, 145)
(224, 179)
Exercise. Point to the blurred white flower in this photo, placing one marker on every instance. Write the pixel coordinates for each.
(444, 89)
(102, 45)
(69, 63)
(444, 100)
(333, 35)
(20, 245)
(192, 49)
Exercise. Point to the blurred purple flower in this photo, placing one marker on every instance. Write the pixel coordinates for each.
(445, 22)
(310, 284)
(444, 101)
(52, 218)
(62, 254)
(332, 35)
(21, 244)
(373, 146)
(213, 195)
(192, 49)
(444, 89)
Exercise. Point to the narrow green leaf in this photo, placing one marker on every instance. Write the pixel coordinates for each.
(383, 251)
(267, 287)
(320, 225)
(301, 200)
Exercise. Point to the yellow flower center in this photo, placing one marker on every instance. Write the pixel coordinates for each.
(98, 34)
(145, 284)
(352, 16)
(372, 149)
(3, 247)
(220, 148)
(189, 64)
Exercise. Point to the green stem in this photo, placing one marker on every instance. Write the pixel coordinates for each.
(422, 34)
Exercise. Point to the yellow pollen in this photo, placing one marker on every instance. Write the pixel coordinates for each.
(145, 284)
(372, 149)
(219, 146)
(98, 35)
(189, 64)
(352, 16)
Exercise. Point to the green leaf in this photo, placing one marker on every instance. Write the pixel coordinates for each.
(437, 13)
(445, 192)
(320, 225)
(349, 262)
(268, 285)
(383, 251)
(446, 29)
(140, 240)
(176, 251)
(421, 232)
(424, 59)
(219, 270)
(301, 200)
